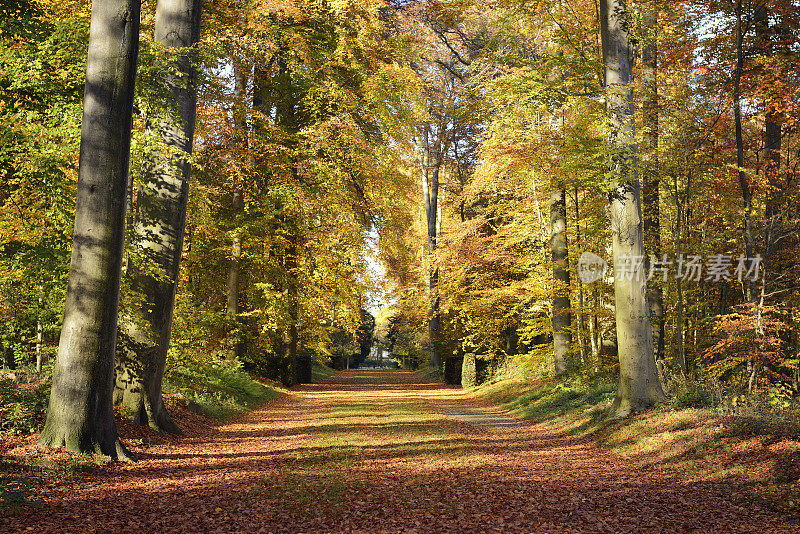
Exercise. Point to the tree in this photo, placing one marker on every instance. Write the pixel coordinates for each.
(639, 385)
(240, 137)
(651, 178)
(80, 415)
(161, 222)
(562, 318)
(433, 138)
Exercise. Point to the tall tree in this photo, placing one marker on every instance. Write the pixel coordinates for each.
(639, 385)
(744, 185)
(651, 179)
(432, 161)
(562, 317)
(241, 142)
(80, 415)
(161, 222)
(773, 116)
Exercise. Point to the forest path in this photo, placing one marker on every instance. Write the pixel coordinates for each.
(382, 452)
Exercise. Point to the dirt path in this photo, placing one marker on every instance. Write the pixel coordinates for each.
(382, 452)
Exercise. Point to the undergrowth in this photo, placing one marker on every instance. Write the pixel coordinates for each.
(320, 372)
(22, 406)
(220, 386)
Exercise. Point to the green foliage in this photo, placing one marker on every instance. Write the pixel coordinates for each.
(42, 69)
(221, 387)
(320, 371)
(22, 406)
(691, 394)
(469, 372)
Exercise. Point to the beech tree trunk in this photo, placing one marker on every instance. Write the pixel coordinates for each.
(773, 119)
(430, 186)
(39, 331)
(651, 179)
(237, 205)
(639, 385)
(744, 185)
(160, 225)
(80, 416)
(301, 363)
(562, 317)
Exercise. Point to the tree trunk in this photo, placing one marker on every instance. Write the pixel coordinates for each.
(651, 180)
(744, 185)
(301, 364)
(639, 386)
(39, 331)
(160, 225)
(430, 188)
(562, 318)
(237, 204)
(679, 288)
(80, 416)
(582, 328)
(773, 119)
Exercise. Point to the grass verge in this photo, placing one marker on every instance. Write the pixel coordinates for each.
(220, 388)
(756, 458)
(432, 374)
(320, 371)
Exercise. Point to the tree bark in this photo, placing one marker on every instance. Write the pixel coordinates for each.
(744, 185)
(301, 364)
(160, 225)
(582, 338)
(39, 331)
(679, 337)
(639, 386)
(562, 317)
(773, 119)
(651, 179)
(237, 205)
(80, 416)
(430, 186)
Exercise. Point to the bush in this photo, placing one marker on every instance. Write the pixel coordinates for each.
(687, 394)
(221, 387)
(22, 406)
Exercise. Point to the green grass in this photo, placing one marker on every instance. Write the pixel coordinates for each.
(223, 391)
(430, 374)
(320, 371)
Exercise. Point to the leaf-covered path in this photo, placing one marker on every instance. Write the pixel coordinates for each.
(382, 452)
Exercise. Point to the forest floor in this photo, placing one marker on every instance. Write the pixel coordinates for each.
(369, 451)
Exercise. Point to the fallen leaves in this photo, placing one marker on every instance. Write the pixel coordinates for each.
(379, 455)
